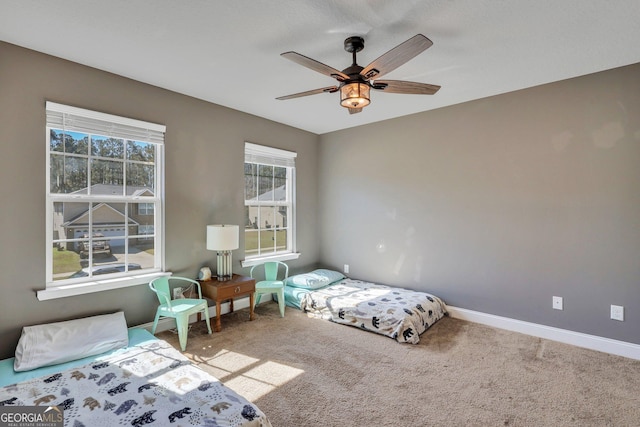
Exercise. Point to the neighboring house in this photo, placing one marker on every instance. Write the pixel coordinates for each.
(71, 220)
(268, 218)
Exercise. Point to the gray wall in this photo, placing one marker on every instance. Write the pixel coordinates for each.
(499, 204)
(495, 205)
(204, 181)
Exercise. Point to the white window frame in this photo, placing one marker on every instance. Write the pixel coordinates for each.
(263, 155)
(86, 121)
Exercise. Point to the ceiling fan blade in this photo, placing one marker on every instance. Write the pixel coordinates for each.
(354, 110)
(329, 89)
(315, 65)
(396, 56)
(399, 86)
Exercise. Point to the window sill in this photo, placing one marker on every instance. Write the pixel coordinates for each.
(261, 260)
(53, 292)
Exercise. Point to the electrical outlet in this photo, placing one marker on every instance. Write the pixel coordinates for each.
(617, 312)
(346, 269)
(557, 303)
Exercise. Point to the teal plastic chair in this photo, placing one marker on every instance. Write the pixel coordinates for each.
(179, 309)
(271, 284)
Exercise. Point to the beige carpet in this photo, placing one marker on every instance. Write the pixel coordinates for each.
(308, 372)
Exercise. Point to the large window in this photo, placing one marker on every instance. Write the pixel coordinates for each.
(104, 200)
(269, 189)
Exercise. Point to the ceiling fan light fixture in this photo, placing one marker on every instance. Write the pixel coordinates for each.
(355, 95)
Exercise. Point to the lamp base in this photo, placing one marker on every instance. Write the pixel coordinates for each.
(224, 270)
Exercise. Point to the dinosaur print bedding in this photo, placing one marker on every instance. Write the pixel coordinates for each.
(151, 384)
(398, 313)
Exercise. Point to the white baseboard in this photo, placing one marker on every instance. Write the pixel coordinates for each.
(592, 342)
(166, 324)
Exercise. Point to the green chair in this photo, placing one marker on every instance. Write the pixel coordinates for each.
(179, 309)
(271, 284)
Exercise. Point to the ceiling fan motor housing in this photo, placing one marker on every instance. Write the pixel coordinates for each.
(354, 44)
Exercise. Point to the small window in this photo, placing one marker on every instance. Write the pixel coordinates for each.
(145, 209)
(269, 189)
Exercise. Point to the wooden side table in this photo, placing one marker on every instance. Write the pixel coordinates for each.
(227, 290)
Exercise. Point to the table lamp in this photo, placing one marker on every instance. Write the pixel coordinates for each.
(223, 239)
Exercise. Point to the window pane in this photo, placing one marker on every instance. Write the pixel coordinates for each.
(141, 252)
(251, 242)
(75, 174)
(110, 221)
(282, 216)
(67, 174)
(280, 183)
(250, 181)
(76, 143)
(281, 239)
(265, 183)
(140, 179)
(107, 177)
(141, 219)
(141, 151)
(56, 140)
(67, 218)
(56, 171)
(65, 263)
(96, 246)
(267, 242)
(102, 146)
(266, 217)
(250, 217)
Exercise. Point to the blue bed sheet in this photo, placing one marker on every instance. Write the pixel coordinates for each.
(293, 296)
(9, 376)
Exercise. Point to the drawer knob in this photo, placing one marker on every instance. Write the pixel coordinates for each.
(237, 289)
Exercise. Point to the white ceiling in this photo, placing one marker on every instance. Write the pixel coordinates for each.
(228, 52)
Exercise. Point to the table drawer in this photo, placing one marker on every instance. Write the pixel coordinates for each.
(234, 290)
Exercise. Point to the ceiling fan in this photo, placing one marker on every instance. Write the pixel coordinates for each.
(356, 82)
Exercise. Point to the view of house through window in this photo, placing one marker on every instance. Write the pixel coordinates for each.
(103, 196)
(268, 181)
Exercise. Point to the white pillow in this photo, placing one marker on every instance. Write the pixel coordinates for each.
(53, 343)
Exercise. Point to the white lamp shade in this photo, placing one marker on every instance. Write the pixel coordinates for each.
(223, 237)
